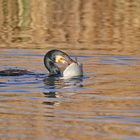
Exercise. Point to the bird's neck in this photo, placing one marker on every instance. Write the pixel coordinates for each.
(52, 67)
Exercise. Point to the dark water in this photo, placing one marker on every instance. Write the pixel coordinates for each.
(104, 104)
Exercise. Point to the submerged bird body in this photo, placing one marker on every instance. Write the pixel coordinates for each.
(56, 56)
(14, 72)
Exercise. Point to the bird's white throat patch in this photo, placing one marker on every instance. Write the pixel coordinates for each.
(74, 69)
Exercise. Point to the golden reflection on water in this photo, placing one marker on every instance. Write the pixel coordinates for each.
(71, 24)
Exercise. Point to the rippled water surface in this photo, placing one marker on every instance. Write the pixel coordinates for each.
(104, 104)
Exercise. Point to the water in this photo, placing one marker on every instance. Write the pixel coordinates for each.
(76, 24)
(104, 104)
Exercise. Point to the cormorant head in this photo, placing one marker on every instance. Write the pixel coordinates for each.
(56, 56)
